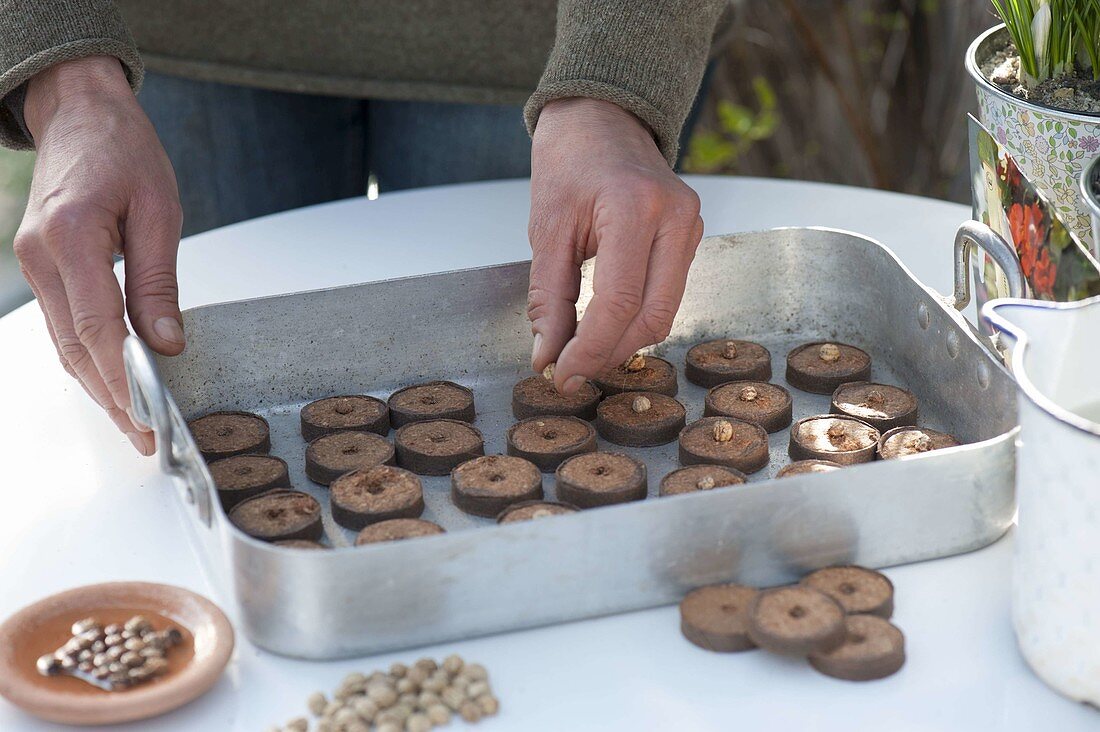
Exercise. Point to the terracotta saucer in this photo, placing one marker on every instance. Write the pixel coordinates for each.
(194, 664)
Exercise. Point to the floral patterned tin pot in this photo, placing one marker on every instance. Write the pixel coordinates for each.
(1051, 146)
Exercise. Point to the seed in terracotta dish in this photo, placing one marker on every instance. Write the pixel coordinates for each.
(548, 440)
(224, 434)
(700, 478)
(397, 530)
(801, 467)
(330, 456)
(822, 367)
(857, 589)
(433, 400)
(640, 373)
(436, 447)
(768, 405)
(717, 617)
(338, 413)
(529, 510)
(243, 476)
(796, 621)
(905, 441)
(873, 649)
(724, 441)
(882, 406)
(300, 544)
(712, 363)
(536, 395)
(840, 439)
(640, 419)
(374, 494)
(601, 479)
(487, 485)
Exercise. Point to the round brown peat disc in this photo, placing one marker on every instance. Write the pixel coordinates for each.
(330, 456)
(700, 478)
(548, 440)
(299, 544)
(436, 447)
(724, 441)
(487, 485)
(225, 434)
(837, 438)
(431, 400)
(882, 406)
(279, 515)
(530, 510)
(243, 476)
(716, 617)
(601, 479)
(397, 530)
(858, 590)
(821, 367)
(796, 621)
(338, 413)
(640, 419)
(378, 493)
(873, 649)
(640, 373)
(768, 405)
(801, 467)
(715, 362)
(905, 441)
(536, 395)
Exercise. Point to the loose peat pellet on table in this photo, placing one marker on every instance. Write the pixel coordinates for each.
(906, 441)
(374, 494)
(640, 373)
(225, 434)
(432, 400)
(601, 479)
(724, 441)
(837, 438)
(858, 590)
(716, 362)
(820, 368)
(243, 476)
(278, 515)
(530, 510)
(695, 478)
(548, 440)
(768, 405)
(487, 485)
(397, 530)
(330, 456)
(640, 419)
(716, 617)
(796, 621)
(536, 396)
(882, 406)
(437, 446)
(874, 648)
(338, 413)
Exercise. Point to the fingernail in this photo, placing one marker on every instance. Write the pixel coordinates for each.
(137, 442)
(168, 329)
(573, 384)
(535, 349)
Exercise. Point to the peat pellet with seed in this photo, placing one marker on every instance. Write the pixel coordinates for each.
(873, 648)
(536, 396)
(436, 447)
(768, 405)
(905, 441)
(724, 441)
(640, 373)
(374, 494)
(821, 367)
(243, 476)
(330, 456)
(840, 439)
(548, 440)
(433, 400)
(601, 479)
(278, 515)
(802, 467)
(695, 478)
(640, 419)
(224, 434)
(338, 413)
(530, 510)
(883, 406)
(717, 617)
(300, 544)
(397, 530)
(857, 589)
(715, 362)
(796, 621)
(487, 485)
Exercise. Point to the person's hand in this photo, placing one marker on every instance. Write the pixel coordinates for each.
(102, 185)
(600, 185)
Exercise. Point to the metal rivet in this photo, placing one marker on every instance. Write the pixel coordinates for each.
(953, 344)
(922, 316)
(983, 375)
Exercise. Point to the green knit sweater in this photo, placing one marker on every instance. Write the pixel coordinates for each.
(647, 56)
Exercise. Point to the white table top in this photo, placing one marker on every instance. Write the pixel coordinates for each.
(82, 507)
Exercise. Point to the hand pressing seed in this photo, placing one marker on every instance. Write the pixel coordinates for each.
(635, 363)
(548, 372)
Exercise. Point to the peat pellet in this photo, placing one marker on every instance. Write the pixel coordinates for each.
(821, 367)
(548, 440)
(906, 441)
(695, 478)
(883, 406)
(436, 447)
(278, 515)
(429, 401)
(487, 485)
(530, 510)
(716, 362)
(724, 441)
(717, 617)
(397, 530)
(640, 373)
(768, 405)
(330, 456)
(796, 621)
(224, 434)
(300, 544)
(873, 649)
(338, 413)
(378, 493)
(536, 395)
(243, 476)
(857, 589)
(601, 479)
(840, 439)
(640, 419)
(802, 467)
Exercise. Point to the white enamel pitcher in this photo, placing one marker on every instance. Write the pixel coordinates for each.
(1054, 353)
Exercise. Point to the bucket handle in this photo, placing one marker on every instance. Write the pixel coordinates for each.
(975, 234)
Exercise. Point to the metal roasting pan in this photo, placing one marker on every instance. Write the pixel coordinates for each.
(781, 288)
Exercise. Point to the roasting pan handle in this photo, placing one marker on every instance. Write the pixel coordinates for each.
(154, 408)
(975, 234)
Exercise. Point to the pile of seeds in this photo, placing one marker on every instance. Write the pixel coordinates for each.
(112, 657)
(407, 699)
